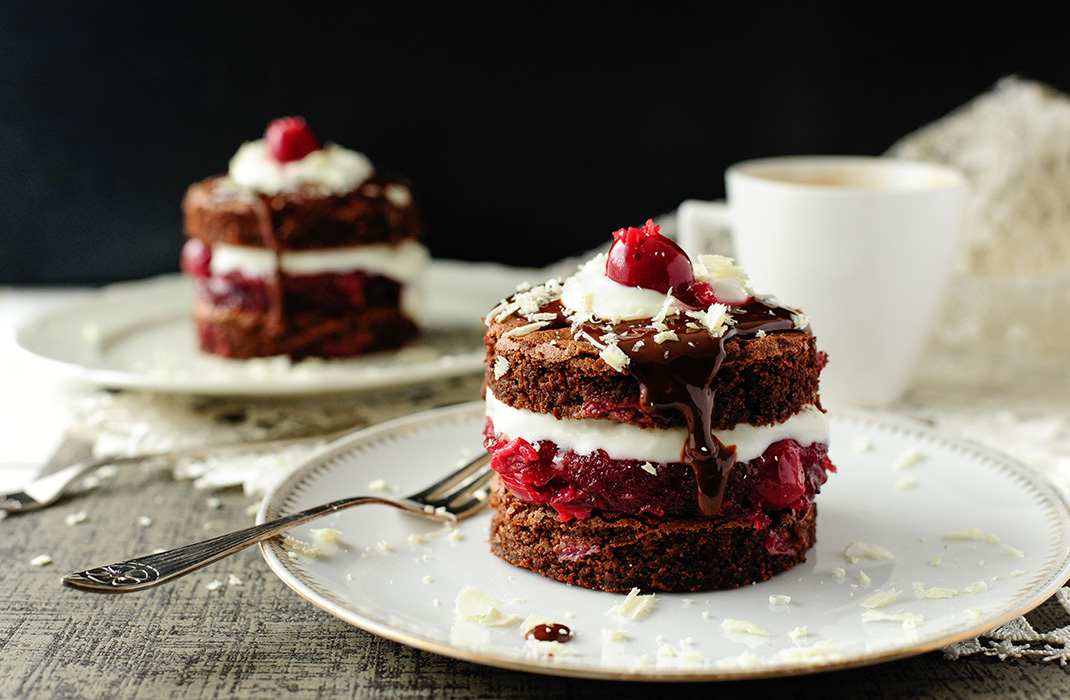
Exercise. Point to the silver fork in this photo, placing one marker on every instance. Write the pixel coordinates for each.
(453, 498)
(47, 489)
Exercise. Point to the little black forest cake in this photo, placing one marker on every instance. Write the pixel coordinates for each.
(653, 423)
(302, 250)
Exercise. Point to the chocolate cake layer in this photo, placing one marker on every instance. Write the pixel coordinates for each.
(761, 381)
(303, 219)
(615, 552)
(247, 333)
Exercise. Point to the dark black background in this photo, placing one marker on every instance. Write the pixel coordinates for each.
(529, 134)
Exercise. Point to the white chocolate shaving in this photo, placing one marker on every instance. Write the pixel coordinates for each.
(855, 551)
(325, 534)
(921, 592)
(908, 459)
(880, 599)
(613, 356)
(909, 620)
(634, 606)
(744, 627)
(476, 605)
(526, 329)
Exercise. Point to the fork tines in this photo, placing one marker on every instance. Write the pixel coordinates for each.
(460, 491)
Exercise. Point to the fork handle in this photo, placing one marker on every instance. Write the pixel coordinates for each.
(154, 569)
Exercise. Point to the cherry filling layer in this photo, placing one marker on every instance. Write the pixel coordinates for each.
(786, 475)
(354, 289)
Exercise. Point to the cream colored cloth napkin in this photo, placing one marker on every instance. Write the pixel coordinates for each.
(999, 370)
(1009, 301)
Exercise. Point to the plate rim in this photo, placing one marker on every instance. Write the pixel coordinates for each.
(123, 292)
(1058, 578)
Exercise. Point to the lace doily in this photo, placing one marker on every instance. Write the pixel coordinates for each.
(1013, 145)
(997, 371)
(1018, 640)
(1012, 278)
(132, 423)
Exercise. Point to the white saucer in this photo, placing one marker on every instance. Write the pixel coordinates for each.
(139, 335)
(392, 577)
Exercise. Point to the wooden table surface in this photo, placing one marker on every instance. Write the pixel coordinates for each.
(260, 640)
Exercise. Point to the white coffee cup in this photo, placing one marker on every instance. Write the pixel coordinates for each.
(862, 245)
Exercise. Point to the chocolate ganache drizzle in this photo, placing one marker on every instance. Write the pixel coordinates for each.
(679, 375)
(550, 633)
(269, 237)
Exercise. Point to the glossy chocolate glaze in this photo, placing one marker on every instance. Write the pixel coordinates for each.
(550, 633)
(679, 375)
(276, 310)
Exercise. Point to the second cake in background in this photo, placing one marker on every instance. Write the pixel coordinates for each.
(302, 250)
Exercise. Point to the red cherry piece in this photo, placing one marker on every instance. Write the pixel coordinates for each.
(782, 480)
(289, 139)
(645, 258)
(701, 295)
(196, 258)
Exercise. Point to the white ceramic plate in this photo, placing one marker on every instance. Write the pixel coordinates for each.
(139, 335)
(389, 577)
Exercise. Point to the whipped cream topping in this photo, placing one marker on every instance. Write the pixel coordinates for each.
(333, 169)
(589, 292)
(404, 262)
(728, 280)
(624, 441)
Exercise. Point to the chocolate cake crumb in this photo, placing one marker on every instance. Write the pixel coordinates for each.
(615, 552)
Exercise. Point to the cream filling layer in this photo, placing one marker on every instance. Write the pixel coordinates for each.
(404, 262)
(623, 441)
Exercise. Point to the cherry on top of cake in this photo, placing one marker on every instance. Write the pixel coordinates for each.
(643, 257)
(289, 139)
(290, 158)
(645, 275)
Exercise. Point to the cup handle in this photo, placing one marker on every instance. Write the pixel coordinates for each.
(704, 227)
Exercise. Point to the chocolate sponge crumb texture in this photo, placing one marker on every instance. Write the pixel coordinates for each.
(666, 439)
(617, 552)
